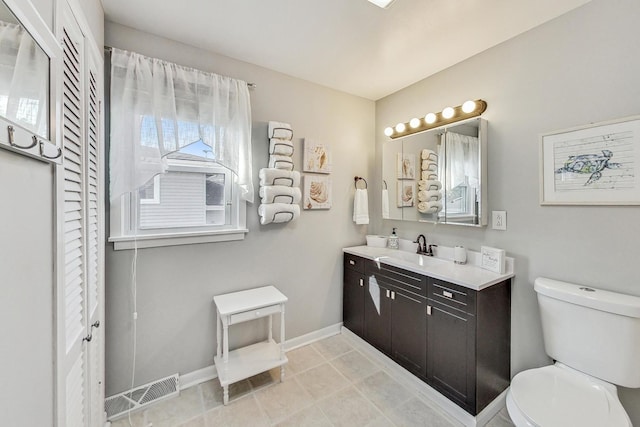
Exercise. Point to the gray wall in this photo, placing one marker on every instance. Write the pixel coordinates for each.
(580, 68)
(176, 323)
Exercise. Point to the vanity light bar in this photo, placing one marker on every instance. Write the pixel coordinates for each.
(433, 120)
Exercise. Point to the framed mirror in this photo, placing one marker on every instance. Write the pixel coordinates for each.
(439, 175)
(27, 52)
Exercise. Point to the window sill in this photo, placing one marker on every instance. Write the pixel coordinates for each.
(175, 239)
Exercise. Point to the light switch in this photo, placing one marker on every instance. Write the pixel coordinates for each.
(499, 220)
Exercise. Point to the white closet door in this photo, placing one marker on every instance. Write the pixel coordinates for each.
(72, 401)
(94, 241)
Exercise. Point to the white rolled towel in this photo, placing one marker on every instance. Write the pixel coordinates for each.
(427, 154)
(280, 130)
(429, 207)
(280, 194)
(271, 176)
(279, 146)
(432, 184)
(278, 212)
(428, 175)
(280, 162)
(429, 165)
(429, 195)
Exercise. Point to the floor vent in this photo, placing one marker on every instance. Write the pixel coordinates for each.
(139, 397)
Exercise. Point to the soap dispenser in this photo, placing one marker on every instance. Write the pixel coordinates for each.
(393, 240)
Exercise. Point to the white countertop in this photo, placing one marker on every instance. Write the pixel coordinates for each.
(468, 275)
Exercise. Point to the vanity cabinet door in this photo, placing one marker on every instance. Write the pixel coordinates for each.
(377, 316)
(451, 353)
(353, 301)
(408, 329)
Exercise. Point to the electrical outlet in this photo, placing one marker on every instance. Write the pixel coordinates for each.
(499, 220)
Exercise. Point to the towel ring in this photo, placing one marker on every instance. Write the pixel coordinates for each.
(385, 184)
(358, 178)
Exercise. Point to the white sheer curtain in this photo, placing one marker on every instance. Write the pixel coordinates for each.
(458, 162)
(24, 80)
(158, 107)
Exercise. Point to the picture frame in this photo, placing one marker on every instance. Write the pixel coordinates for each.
(406, 166)
(596, 164)
(317, 192)
(316, 157)
(406, 194)
(492, 259)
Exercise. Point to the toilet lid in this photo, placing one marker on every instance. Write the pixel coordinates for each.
(553, 396)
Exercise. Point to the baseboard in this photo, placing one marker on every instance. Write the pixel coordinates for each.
(208, 373)
(414, 383)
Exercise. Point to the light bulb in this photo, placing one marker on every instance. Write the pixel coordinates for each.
(447, 113)
(414, 123)
(469, 106)
(388, 131)
(430, 118)
(400, 127)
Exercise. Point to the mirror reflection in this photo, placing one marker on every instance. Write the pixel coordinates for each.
(438, 175)
(24, 77)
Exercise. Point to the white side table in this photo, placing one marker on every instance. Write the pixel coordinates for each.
(244, 362)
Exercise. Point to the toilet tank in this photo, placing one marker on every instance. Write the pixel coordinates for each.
(592, 330)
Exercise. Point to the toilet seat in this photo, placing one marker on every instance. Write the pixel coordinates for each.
(560, 396)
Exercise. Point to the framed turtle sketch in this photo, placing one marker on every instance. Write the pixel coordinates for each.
(317, 192)
(597, 164)
(316, 157)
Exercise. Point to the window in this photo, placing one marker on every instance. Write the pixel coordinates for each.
(150, 192)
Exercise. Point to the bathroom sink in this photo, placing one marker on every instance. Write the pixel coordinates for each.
(414, 259)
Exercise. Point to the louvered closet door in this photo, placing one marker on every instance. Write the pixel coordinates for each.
(72, 400)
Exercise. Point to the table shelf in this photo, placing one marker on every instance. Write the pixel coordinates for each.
(249, 361)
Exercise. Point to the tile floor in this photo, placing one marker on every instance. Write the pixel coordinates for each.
(327, 383)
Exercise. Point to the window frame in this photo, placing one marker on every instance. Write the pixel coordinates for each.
(122, 214)
(155, 200)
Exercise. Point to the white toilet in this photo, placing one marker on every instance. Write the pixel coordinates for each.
(594, 337)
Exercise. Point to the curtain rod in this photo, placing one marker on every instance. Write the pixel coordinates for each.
(250, 85)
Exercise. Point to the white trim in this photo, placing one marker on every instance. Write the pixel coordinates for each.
(197, 377)
(311, 337)
(175, 239)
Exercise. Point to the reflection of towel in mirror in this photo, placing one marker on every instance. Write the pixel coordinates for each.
(428, 165)
(278, 212)
(385, 203)
(431, 184)
(429, 207)
(361, 206)
(280, 146)
(280, 130)
(280, 194)
(280, 162)
(271, 176)
(429, 195)
(428, 175)
(427, 154)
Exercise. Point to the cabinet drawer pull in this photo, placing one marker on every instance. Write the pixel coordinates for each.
(387, 293)
(428, 310)
(447, 294)
(352, 262)
(393, 295)
(361, 282)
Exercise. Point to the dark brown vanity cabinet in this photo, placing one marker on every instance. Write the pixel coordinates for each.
(455, 339)
(353, 294)
(468, 336)
(394, 325)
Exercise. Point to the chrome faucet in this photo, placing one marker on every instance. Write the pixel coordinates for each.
(422, 248)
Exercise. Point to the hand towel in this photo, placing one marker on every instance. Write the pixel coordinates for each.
(278, 212)
(280, 162)
(429, 207)
(432, 184)
(429, 195)
(270, 176)
(280, 194)
(385, 203)
(281, 147)
(361, 206)
(428, 175)
(427, 154)
(429, 165)
(280, 130)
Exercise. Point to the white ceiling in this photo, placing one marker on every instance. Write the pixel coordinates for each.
(349, 45)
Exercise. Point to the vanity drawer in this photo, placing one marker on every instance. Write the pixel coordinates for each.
(354, 262)
(254, 314)
(412, 282)
(455, 296)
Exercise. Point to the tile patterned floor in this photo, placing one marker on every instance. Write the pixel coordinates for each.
(328, 384)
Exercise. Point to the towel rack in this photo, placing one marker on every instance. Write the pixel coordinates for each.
(359, 178)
